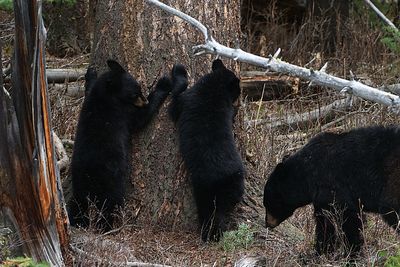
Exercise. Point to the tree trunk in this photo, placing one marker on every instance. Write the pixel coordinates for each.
(30, 194)
(1, 66)
(148, 42)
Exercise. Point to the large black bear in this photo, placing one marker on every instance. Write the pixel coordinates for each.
(113, 109)
(204, 115)
(343, 173)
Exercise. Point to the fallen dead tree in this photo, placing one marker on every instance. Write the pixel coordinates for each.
(393, 88)
(31, 198)
(62, 75)
(258, 85)
(318, 77)
(298, 120)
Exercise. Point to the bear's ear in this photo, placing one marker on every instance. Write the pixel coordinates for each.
(115, 66)
(217, 64)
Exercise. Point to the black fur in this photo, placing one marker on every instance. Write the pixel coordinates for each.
(113, 109)
(348, 172)
(203, 115)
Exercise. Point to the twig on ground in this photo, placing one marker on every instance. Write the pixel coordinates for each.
(68, 142)
(251, 261)
(109, 263)
(113, 231)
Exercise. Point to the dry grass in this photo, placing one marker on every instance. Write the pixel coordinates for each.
(293, 240)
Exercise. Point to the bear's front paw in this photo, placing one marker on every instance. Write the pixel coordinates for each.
(91, 74)
(178, 72)
(164, 85)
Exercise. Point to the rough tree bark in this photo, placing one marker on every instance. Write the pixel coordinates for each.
(148, 42)
(30, 194)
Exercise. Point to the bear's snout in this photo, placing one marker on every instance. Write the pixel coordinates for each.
(271, 221)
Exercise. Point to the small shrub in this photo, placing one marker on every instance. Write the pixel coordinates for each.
(240, 238)
(391, 39)
(6, 5)
(393, 261)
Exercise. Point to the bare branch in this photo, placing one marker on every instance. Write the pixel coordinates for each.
(294, 120)
(381, 15)
(272, 63)
(251, 261)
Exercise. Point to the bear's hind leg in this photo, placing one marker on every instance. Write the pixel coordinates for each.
(206, 212)
(352, 226)
(229, 194)
(325, 234)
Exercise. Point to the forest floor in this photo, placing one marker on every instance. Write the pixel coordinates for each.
(291, 243)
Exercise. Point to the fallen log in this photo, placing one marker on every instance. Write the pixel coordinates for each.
(299, 120)
(393, 88)
(62, 75)
(258, 85)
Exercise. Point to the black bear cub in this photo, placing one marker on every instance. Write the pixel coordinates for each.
(113, 109)
(343, 174)
(204, 115)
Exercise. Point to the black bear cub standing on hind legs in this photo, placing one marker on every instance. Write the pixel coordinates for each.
(113, 109)
(204, 115)
(345, 173)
